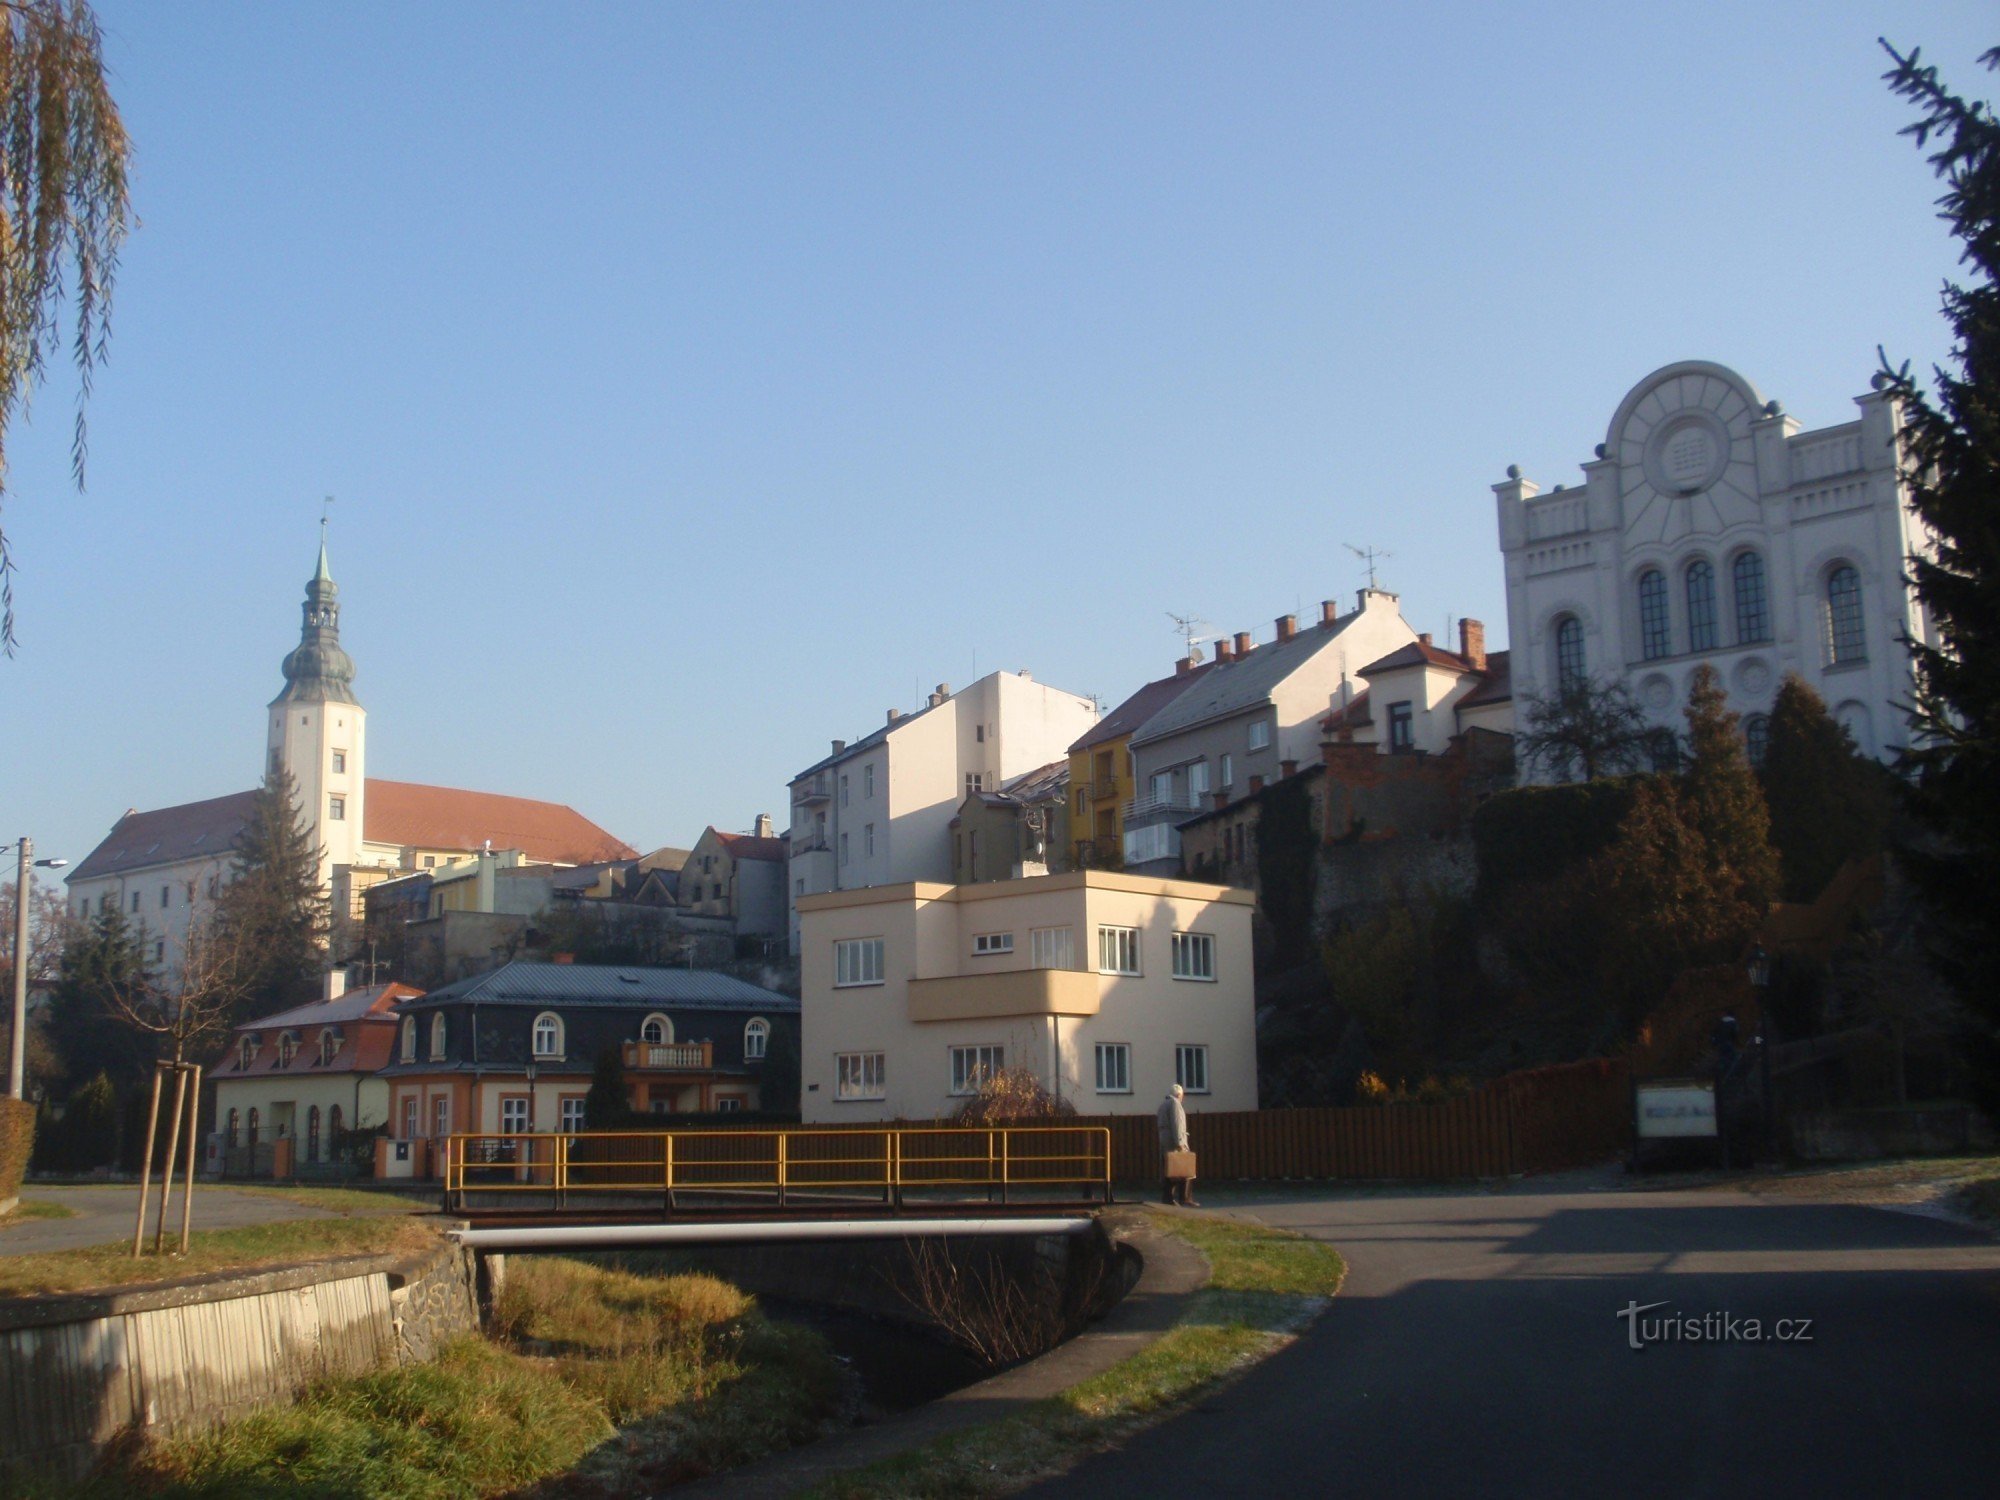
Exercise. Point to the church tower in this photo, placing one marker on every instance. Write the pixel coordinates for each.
(318, 729)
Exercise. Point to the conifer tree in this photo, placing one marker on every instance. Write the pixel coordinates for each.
(273, 911)
(607, 1104)
(1723, 800)
(1828, 802)
(1951, 448)
(100, 961)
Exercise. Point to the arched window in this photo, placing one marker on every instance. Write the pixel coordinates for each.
(1753, 614)
(1701, 605)
(437, 1037)
(329, 1046)
(288, 1048)
(333, 1132)
(756, 1036)
(251, 1139)
(246, 1052)
(1656, 635)
(548, 1035)
(656, 1028)
(1845, 640)
(1756, 737)
(1570, 669)
(229, 1131)
(312, 1134)
(409, 1039)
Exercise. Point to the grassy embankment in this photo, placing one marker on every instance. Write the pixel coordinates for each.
(594, 1382)
(1264, 1285)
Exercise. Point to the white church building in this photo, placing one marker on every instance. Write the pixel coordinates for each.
(160, 867)
(1712, 529)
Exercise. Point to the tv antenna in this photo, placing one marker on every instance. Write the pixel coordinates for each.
(1190, 628)
(1369, 556)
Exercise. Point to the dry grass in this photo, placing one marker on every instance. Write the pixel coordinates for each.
(35, 1208)
(98, 1267)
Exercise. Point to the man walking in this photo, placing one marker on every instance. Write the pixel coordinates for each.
(1174, 1137)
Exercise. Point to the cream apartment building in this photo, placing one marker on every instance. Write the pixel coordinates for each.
(878, 811)
(1108, 986)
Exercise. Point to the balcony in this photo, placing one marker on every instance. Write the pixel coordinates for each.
(808, 792)
(1010, 992)
(669, 1057)
(1175, 803)
(1100, 791)
(811, 843)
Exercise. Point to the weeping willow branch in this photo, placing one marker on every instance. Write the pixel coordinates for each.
(64, 212)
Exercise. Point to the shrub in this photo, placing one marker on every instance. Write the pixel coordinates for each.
(1012, 1094)
(17, 1141)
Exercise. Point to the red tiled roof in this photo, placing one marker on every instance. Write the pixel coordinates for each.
(368, 1039)
(407, 814)
(1419, 653)
(749, 846)
(1499, 684)
(1353, 712)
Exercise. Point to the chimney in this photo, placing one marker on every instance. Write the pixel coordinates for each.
(838, 746)
(1221, 800)
(1184, 666)
(1424, 636)
(334, 985)
(562, 958)
(894, 715)
(939, 693)
(1223, 650)
(1288, 768)
(1329, 614)
(762, 827)
(1244, 645)
(1288, 626)
(1472, 644)
(1256, 785)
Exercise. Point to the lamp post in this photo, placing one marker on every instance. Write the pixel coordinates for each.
(17, 1056)
(1760, 981)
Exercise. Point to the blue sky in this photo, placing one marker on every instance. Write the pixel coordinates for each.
(698, 382)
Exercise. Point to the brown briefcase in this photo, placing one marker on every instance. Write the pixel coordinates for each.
(1180, 1164)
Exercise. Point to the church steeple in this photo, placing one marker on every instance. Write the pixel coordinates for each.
(318, 671)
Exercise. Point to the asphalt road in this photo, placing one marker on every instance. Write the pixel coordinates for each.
(1477, 1349)
(105, 1214)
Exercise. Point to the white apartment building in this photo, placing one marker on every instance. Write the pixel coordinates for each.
(1109, 987)
(1712, 530)
(879, 811)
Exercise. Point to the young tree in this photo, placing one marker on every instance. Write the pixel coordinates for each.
(1723, 799)
(1951, 449)
(273, 913)
(64, 206)
(188, 1008)
(1829, 803)
(1587, 729)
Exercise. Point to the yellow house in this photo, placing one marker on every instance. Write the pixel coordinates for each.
(1100, 770)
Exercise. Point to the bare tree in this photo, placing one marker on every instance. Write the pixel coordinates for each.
(1587, 729)
(190, 1005)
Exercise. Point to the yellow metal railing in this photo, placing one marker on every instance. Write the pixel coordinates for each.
(780, 1163)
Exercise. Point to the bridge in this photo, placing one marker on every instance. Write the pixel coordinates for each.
(604, 1189)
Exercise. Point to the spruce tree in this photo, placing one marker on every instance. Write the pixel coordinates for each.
(1724, 801)
(273, 908)
(1829, 803)
(1951, 446)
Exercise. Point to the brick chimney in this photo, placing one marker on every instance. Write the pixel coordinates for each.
(1288, 768)
(1288, 626)
(1244, 644)
(1472, 644)
(1424, 636)
(1329, 614)
(1184, 666)
(1256, 785)
(1224, 651)
(1219, 799)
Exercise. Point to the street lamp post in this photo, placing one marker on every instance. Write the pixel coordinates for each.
(17, 1055)
(1760, 981)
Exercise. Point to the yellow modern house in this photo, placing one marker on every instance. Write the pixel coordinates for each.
(1100, 770)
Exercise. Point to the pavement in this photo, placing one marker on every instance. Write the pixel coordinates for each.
(104, 1215)
(1478, 1348)
(1172, 1271)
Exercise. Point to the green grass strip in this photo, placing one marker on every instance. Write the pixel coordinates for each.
(1264, 1284)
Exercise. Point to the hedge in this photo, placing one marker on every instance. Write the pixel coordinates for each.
(17, 1140)
(1534, 833)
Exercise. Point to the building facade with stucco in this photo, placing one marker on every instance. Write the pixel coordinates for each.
(1713, 529)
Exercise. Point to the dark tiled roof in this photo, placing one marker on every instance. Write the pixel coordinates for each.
(1499, 684)
(352, 1006)
(749, 846)
(1232, 687)
(1038, 785)
(167, 835)
(1353, 713)
(1140, 707)
(525, 983)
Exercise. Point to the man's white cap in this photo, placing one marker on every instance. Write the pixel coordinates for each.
(1175, 1091)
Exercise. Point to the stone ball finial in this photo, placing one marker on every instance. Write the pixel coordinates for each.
(1879, 381)
(1602, 451)
(1513, 471)
(1771, 407)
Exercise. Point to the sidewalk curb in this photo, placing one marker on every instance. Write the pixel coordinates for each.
(1172, 1271)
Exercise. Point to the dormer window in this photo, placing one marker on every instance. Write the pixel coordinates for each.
(288, 1048)
(548, 1035)
(329, 1046)
(246, 1052)
(409, 1039)
(756, 1037)
(656, 1028)
(437, 1037)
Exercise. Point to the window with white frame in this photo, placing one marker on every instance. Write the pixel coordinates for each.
(409, 1039)
(441, 1115)
(1191, 1068)
(1260, 734)
(868, 839)
(756, 1038)
(975, 781)
(340, 762)
(857, 961)
(246, 1052)
(1163, 786)
(1846, 638)
(1570, 671)
(437, 1037)
(1228, 777)
(548, 1035)
(412, 1117)
(514, 1115)
(1402, 727)
(975, 1065)
(572, 1114)
(656, 1028)
(1194, 955)
(1197, 775)
(329, 1046)
(336, 809)
(1114, 1067)
(1052, 947)
(859, 1075)
(1118, 950)
(992, 942)
(868, 779)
